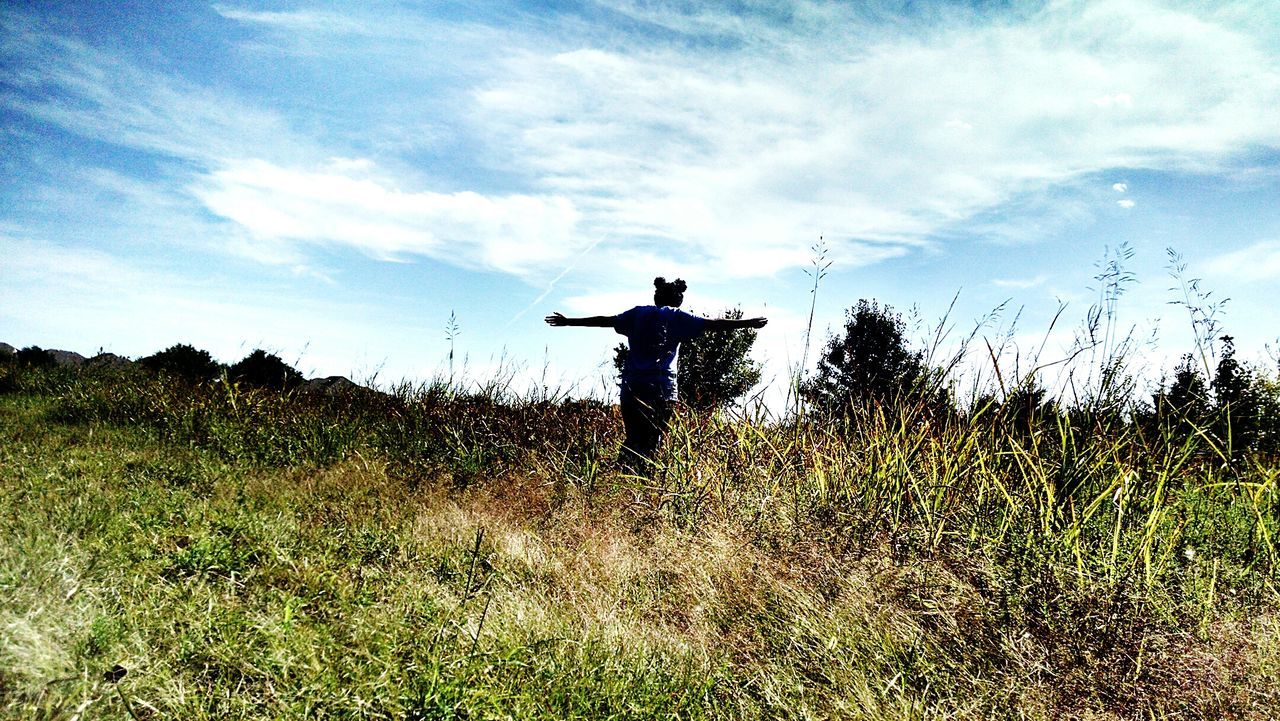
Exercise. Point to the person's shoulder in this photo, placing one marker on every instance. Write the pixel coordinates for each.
(686, 315)
(627, 318)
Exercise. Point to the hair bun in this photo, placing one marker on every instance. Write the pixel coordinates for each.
(679, 285)
(659, 282)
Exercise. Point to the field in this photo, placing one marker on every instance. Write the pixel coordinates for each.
(438, 552)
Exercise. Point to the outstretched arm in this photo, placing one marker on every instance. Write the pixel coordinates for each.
(596, 321)
(735, 323)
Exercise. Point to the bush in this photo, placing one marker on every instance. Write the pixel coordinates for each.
(265, 370)
(716, 368)
(184, 361)
(871, 364)
(36, 357)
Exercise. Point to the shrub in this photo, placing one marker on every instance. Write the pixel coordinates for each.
(871, 364)
(185, 362)
(716, 368)
(36, 357)
(265, 370)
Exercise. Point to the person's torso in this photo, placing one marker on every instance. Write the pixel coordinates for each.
(653, 336)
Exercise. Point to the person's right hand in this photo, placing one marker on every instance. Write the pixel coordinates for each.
(757, 322)
(556, 319)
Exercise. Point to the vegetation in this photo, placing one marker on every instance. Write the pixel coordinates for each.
(715, 369)
(184, 361)
(261, 369)
(34, 357)
(872, 363)
(444, 552)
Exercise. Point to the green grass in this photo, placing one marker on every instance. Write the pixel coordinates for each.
(436, 554)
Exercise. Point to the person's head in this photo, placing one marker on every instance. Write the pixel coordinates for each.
(665, 293)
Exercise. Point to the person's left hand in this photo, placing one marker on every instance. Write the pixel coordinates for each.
(556, 319)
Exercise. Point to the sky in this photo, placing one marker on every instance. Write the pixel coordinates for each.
(343, 183)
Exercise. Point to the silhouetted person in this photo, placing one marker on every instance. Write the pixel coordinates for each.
(648, 388)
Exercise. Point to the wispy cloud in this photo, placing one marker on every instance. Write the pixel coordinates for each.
(298, 21)
(332, 205)
(139, 307)
(870, 134)
(1020, 283)
(102, 96)
(1257, 263)
(719, 144)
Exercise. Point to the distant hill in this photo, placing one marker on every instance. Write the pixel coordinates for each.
(328, 384)
(67, 357)
(108, 359)
(332, 384)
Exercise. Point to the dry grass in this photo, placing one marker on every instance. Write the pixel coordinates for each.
(423, 557)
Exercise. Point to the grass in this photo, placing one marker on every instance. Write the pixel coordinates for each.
(439, 554)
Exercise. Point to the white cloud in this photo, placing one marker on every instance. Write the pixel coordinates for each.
(1119, 100)
(51, 293)
(1126, 203)
(102, 96)
(740, 158)
(1120, 187)
(1020, 283)
(1257, 263)
(298, 21)
(722, 153)
(512, 233)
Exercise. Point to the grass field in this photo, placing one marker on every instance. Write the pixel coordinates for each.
(437, 554)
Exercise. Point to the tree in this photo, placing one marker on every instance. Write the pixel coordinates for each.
(1230, 379)
(1238, 400)
(184, 361)
(265, 370)
(714, 369)
(1184, 405)
(1026, 406)
(33, 356)
(870, 363)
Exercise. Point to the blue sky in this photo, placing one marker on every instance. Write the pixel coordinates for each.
(332, 180)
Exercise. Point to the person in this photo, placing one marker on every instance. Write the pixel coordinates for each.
(648, 384)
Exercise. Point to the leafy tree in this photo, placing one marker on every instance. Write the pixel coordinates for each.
(1184, 405)
(265, 370)
(871, 363)
(714, 369)
(36, 357)
(1026, 405)
(1240, 396)
(1239, 404)
(1266, 391)
(1230, 379)
(184, 361)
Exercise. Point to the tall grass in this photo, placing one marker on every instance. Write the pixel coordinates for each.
(435, 552)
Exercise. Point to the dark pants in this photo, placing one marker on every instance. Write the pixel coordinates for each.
(645, 412)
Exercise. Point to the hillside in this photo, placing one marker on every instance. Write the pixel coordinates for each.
(435, 553)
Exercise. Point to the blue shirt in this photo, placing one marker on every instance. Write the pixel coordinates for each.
(654, 335)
